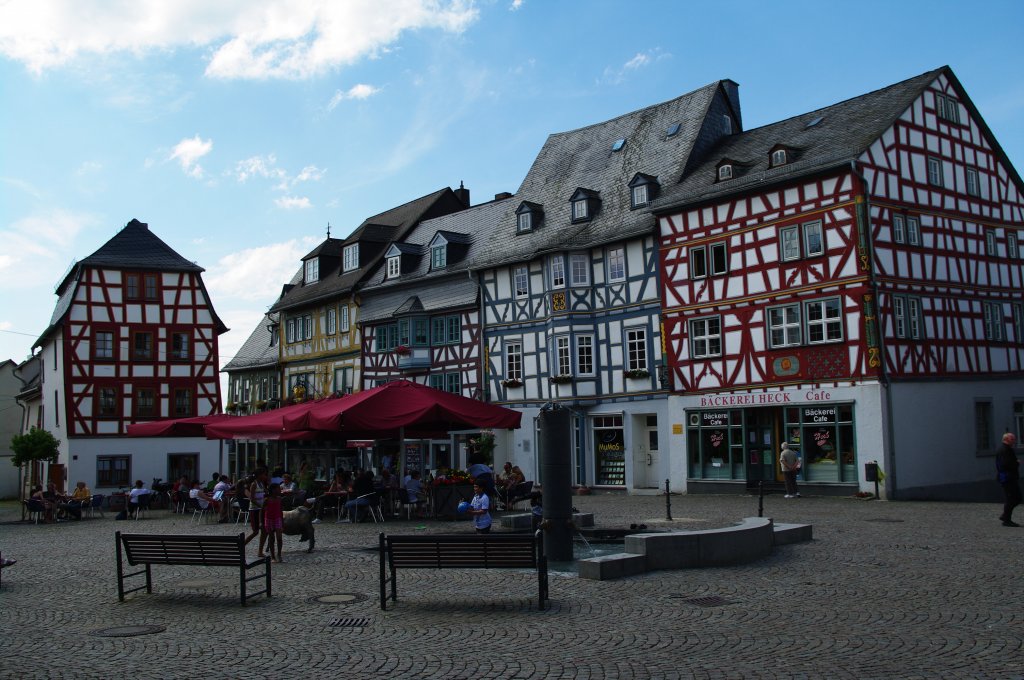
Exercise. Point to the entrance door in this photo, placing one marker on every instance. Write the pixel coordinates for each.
(645, 455)
(761, 445)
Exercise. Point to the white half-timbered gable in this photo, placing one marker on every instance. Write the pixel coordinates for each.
(857, 296)
(571, 301)
(133, 338)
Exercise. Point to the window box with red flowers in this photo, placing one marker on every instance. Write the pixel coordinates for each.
(402, 350)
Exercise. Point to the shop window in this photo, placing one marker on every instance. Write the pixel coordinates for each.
(823, 437)
(715, 444)
(113, 471)
(610, 451)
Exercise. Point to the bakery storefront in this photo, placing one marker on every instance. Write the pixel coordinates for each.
(735, 438)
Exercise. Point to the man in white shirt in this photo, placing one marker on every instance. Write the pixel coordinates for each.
(133, 496)
(199, 495)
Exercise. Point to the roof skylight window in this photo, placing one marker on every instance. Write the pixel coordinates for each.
(673, 129)
(618, 144)
(814, 122)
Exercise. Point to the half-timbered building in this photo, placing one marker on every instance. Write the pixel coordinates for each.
(848, 281)
(571, 302)
(420, 317)
(133, 337)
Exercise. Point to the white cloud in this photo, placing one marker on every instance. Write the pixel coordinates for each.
(616, 75)
(293, 202)
(38, 248)
(360, 91)
(516, 5)
(256, 274)
(188, 152)
(259, 166)
(252, 39)
(310, 173)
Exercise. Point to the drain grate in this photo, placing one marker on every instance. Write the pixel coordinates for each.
(127, 631)
(706, 601)
(349, 622)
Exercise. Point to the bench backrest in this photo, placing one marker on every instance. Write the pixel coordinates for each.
(463, 551)
(183, 549)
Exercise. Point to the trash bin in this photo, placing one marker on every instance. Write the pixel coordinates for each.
(870, 472)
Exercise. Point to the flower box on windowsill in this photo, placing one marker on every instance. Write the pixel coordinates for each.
(402, 350)
(637, 373)
(512, 382)
(261, 404)
(561, 379)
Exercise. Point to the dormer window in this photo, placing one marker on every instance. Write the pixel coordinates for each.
(394, 266)
(642, 190)
(584, 204)
(312, 273)
(528, 217)
(779, 157)
(724, 172)
(439, 256)
(350, 261)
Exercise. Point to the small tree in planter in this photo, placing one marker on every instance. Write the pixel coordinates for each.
(35, 446)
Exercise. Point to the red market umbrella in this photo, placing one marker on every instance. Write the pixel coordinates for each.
(176, 427)
(265, 425)
(401, 405)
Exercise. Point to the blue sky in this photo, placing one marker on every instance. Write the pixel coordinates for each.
(239, 129)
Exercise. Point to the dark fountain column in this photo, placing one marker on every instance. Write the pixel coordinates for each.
(556, 466)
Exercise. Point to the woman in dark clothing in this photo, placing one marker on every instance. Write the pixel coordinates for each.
(1009, 477)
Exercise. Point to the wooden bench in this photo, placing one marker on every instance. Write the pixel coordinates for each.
(187, 550)
(461, 551)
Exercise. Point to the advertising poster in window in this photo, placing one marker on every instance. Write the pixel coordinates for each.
(611, 457)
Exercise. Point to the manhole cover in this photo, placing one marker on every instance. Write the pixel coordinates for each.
(127, 631)
(349, 622)
(890, 520)
(338, 598)
(707, 601)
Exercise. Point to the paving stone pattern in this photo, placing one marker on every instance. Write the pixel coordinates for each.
(885, 590)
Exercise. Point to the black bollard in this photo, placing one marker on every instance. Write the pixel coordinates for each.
(555, 461)
(668, 504)
(760, 499)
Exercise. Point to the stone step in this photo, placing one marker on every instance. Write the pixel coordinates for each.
(787, 534)
(607, 567)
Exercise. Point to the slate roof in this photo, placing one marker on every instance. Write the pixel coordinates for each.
(439, 289)
(382, 228)
(584, 158)
(256, 351)
(844, 132)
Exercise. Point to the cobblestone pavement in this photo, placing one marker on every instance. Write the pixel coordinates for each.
(885, 590)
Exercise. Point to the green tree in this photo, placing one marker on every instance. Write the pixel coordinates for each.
(36, 445)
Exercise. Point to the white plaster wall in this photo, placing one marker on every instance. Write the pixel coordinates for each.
(149, 457)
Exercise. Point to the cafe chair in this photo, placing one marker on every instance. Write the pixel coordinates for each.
(241, 508)
(198, 511)
(34, 507)
(143, 504)
(96, 504)
(407, 505)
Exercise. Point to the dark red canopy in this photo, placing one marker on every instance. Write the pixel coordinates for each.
(265, 425)
(382, 411)
(176, 427)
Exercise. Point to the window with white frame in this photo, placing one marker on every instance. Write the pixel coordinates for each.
(778, 157)
(724, 172)
(438, 331)
(947, 108)
(343, 380)
(784, 328)
(1011, 246)
(913, 230)
(617, 264)
(513, 361)
(436, 381)
(899, 316)
(973, 185)
(636, 349)
(290, 330)
(350, 257)
(639, 195)
(521, 281)
(307, 327)
(563, 357)
(332, 321)
(579, 209)
(789, 243)
(915, 319)
(813, 243)
(453, 382)
(585, 355)
(1018, 321)
(934, 172)
(824, 320)
(579, 269)
(103, 345)
(524, 221)
(557, 265)
(344, 319)
(899, 229)
(698, 262)
(706, 337)
(990, 242)
(312, 270)
(439, 256)
(994, 326)
(719, 259)
(454, 329)
(394, 266)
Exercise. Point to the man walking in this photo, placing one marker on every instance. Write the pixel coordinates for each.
(790, 464)
(1008, 474)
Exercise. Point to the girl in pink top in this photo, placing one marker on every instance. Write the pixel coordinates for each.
(273, 520)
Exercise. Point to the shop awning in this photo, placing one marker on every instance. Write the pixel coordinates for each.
(266, 425)
(177, 427)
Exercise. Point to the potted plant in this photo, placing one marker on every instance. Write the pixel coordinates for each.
(561, 379)
(637, 373)
(402, 350)
(230, 407)
(512, 382)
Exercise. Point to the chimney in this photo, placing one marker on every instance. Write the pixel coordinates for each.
(732, 91)
(502, 195)
(462, 193)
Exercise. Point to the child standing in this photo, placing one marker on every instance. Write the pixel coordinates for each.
(273, 521)
(480, 508)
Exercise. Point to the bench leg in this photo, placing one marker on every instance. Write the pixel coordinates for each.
(149, 579)
(241, 577)
(542, 578)
(120, 568)
(268, 577)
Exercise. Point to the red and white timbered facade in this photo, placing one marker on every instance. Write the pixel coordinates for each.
(864, 309)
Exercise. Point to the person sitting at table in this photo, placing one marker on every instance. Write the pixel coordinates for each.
(41, 496)
(133, 497)
(222, 498)
(199, 496)
(80, 498)
(333, 496)
(288, 485)
(277, 476)
(362, 486)
(179, 492)
(414, 489)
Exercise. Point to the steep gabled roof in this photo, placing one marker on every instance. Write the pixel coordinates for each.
(841, 134)
(256, 352)
(390, 225)
(584, 158)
